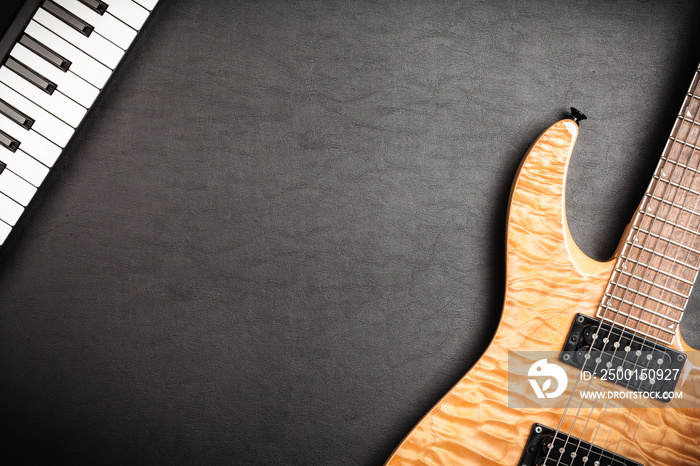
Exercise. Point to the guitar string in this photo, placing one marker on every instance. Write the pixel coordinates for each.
(612, 287)
(685, 145)
(665, 176)
(662, 168)
(666, 160)
(614, 320)
(562, 450)
(607, 300)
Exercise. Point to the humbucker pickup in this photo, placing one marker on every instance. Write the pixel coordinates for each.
(543, 449)
(623, 358)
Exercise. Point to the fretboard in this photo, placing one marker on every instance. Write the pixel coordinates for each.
(658, 264)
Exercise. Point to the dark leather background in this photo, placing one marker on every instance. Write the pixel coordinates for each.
(278, 237)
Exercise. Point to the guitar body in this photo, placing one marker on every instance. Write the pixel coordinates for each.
(548, 281)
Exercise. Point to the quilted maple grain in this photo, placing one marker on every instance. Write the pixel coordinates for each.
(548, 281)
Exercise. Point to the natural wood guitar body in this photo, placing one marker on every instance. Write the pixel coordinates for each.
(548, 280)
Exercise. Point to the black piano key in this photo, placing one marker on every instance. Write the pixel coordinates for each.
(8, 142)
(31, 75)
(44, 52)
(15, 115)
(67, 17)
(96, 5)
(2, 167)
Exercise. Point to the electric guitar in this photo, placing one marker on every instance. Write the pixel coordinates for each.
(587, 366)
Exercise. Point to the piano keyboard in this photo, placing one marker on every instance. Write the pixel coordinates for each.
(61, 55)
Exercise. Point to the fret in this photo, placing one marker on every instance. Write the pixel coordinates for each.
(676, 185)
(661, 255)
(677, 177)
(646, 296)
(669, 331)
(685, 209)
(632, 276)
(687, 144)
(689, 120)
(662, 238)
(687, 179)
(657, 262)
(639, 320)
(682, 153)
(665, 248)
(670, 223)
(666, 222)
(691, 105)
(655, 307)
(670, 251)
(665, 339)
(677, 163)
(680, 279)
(686, 129)
(640, 306)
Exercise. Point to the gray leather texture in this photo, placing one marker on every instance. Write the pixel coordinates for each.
(278, 238)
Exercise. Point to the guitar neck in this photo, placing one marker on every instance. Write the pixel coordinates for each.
(659, 262)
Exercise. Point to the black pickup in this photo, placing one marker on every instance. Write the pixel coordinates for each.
(620, 357)
(565, 450)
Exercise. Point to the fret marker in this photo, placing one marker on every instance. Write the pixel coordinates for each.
(663, 173)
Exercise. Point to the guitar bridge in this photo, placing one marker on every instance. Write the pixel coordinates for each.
(623, 358)
(565, 450)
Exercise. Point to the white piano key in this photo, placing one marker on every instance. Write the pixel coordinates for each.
(16, 188)
(83, 64)
(94, 45)
(24, 166)
(105, 25)
(45, 123)
(5, 230)
(31, 142)
(147, 4)
(68, 82)
(129, 12)
(57, 104)
(10, 211)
